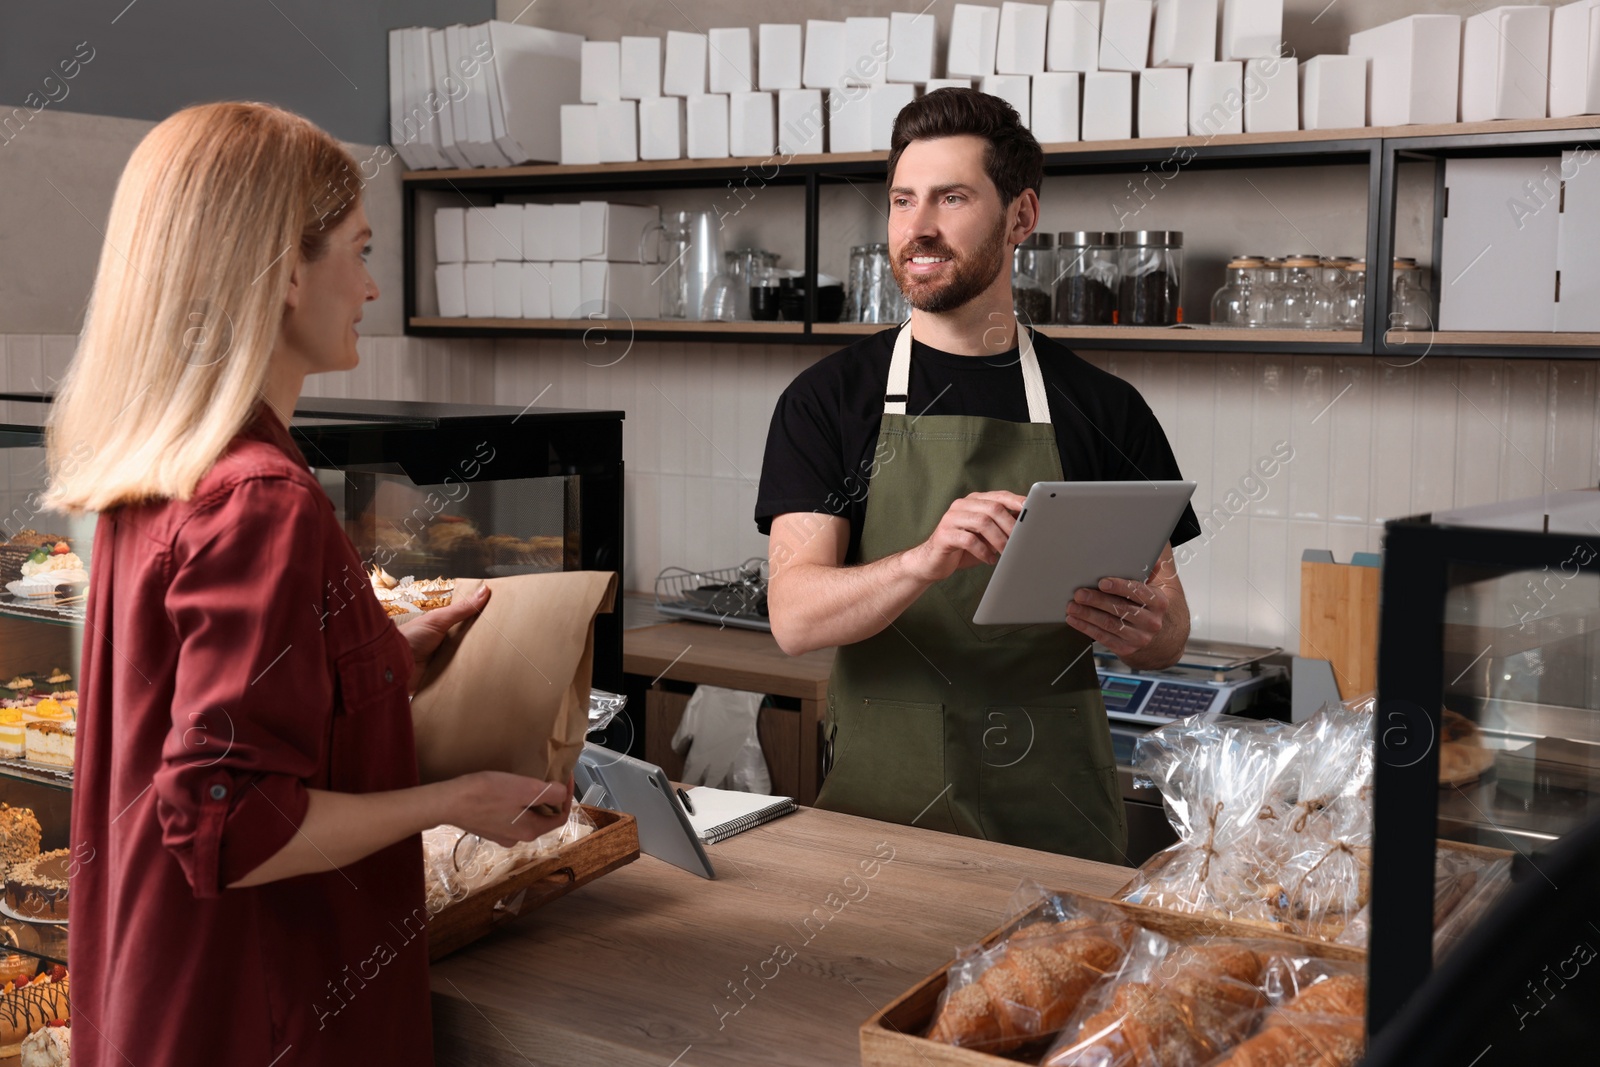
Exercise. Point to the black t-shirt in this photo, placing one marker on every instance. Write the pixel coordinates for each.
(824, 430)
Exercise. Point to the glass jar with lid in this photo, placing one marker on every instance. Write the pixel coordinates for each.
(1150, 291)
(1351, 310)
(1303, 304)
(1264, 293)
(1032, 271)
(1086, 278)
(1409, 304)
(1230, 305)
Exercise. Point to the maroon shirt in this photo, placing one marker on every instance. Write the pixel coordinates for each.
(234, 657)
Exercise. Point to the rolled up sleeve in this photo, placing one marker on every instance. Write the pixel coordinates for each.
(253, 694)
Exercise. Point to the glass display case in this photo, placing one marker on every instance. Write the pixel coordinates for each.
(425, 490)
(1488, 726)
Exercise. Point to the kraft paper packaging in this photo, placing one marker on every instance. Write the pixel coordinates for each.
(508, 690)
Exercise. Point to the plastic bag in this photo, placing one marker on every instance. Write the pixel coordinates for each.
(1274, 821)
(603, 707)
(457, 863)
(1026, 986)
(718, 740)
(1466, 882)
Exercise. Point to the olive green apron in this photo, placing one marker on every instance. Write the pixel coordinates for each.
(996, 732)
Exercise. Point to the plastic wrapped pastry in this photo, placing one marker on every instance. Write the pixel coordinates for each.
(455, 863)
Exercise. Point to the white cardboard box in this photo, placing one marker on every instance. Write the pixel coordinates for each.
(685, 70)
(580, 133)
(1578, 235)
(1415, 75)
(538, 70)
(450, 235)
(850, 119)
(1216, 98)
(974, 33)
(661, 128)
(450, 282)
(1108, 105)
(618, 291)
(482, 244)
(536, 231)
(1163, 102)
(1013, 89)
(1185, 33)
(1497, 268)
(480, 290)
(946, 83)
(508, 232)
(778, 65)
(1505, 64)
(1055, 106)
(911, 38)
(566, 289)
(824, 58)
(886, 103)
(1252, 29)
(1021, 38)
(1575, 59)
(536, 290)
(641, 68)
(1333, 92)
(619, 131)
(566, 229)
(707, 123)
(508, 290)
(1271, 95)
(1125, 36)
(866, 51)
(1073, 40)
(750, 125)
(613, 232)
(801, 122)
(729, 60)
(602, 72)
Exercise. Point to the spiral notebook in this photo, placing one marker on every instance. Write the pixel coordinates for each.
(721, 813)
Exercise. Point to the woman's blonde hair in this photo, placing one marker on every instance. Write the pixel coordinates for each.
(214, 209)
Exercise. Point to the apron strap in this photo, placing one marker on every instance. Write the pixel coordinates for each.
(899, 388)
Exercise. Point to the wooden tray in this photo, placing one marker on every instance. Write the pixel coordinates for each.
(614, 843)
(892, 1037)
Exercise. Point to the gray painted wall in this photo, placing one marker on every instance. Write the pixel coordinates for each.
(148, 58)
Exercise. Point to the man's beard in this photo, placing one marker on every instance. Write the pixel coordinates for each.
(970, 275)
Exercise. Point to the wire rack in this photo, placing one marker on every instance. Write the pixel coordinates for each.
(731, 596)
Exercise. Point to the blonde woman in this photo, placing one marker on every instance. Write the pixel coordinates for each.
(247, 883)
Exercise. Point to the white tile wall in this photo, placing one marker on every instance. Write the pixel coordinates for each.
(1372, 440)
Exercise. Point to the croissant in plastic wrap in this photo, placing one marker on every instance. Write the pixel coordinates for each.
(1321, 1027)
(1027, 986)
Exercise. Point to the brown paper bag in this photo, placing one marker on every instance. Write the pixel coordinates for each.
(508, 690)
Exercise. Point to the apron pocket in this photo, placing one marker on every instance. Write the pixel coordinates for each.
(1047, 779)
(888, 763)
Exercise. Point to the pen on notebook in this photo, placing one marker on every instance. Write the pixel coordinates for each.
(688, 805)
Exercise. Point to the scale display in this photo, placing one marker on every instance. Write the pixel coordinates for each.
(1144, 699)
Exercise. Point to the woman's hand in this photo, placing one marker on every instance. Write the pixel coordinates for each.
(499, 806)
(426, 634)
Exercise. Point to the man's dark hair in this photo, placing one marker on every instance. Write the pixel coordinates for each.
(1013, 159)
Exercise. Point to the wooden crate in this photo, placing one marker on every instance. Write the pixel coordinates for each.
(614, 843)
(892, 1037)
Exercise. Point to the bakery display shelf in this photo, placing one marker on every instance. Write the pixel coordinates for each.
(42, 609)
(38, 773)
(613, 844)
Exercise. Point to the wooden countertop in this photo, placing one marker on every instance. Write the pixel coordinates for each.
(733, 658)
(640, 967)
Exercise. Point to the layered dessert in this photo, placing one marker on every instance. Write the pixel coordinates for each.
(37, 888)
(49, 742)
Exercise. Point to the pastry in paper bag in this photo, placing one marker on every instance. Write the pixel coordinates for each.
(508, 690)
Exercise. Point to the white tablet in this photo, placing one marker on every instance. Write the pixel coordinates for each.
(641, 789)
(1070, 535)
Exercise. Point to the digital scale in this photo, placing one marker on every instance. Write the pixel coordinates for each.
(1211, 678)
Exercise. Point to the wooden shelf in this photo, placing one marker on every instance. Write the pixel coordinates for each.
(1496, 127)
(584, 325)
(1202, 335)
(1413, 339)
